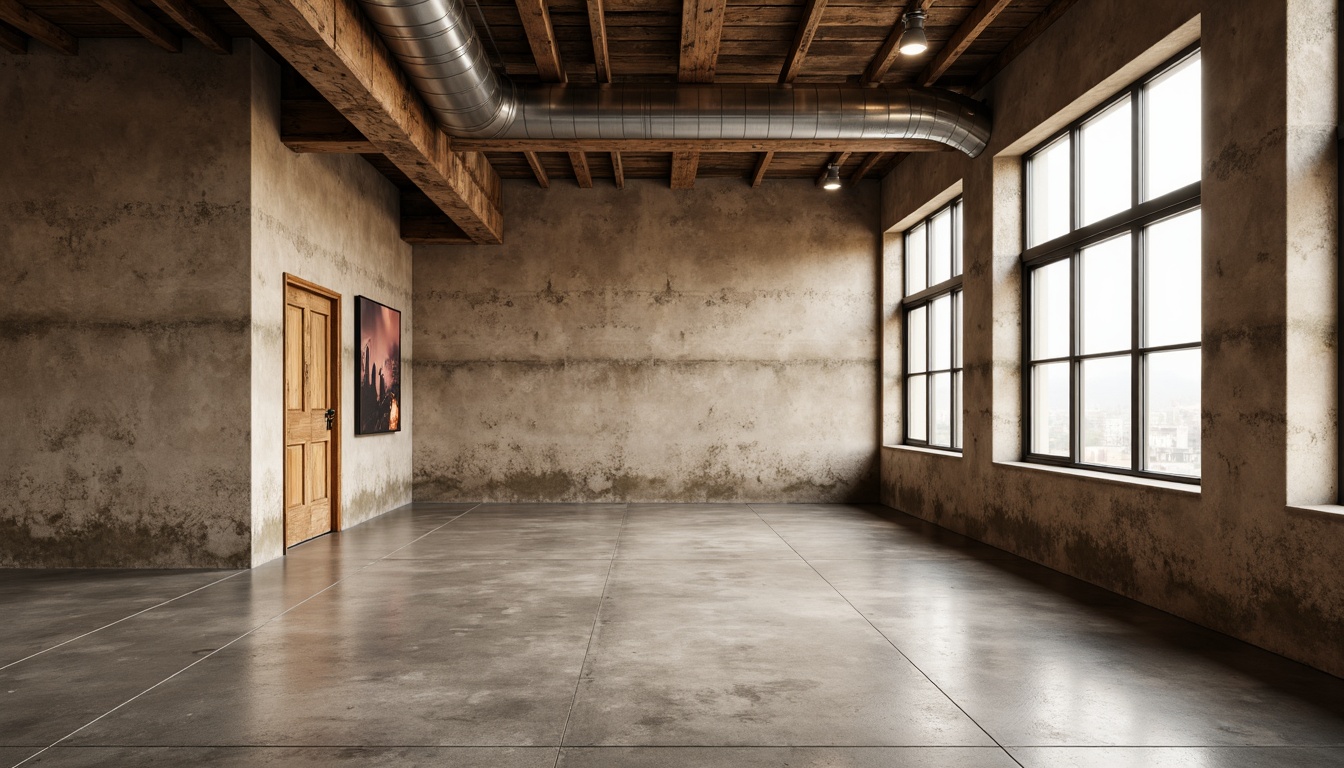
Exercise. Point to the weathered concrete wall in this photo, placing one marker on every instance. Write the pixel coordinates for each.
(1231, 554)
(649, 344)
(124, 308)
(335, 221)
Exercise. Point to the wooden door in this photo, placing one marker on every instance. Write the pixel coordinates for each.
(312, 408)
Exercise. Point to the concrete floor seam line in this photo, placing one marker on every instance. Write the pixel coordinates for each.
(251, 631)
(884, 636)
(118, 621)
(588, 650)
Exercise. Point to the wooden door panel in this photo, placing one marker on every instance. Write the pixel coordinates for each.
(310, 460)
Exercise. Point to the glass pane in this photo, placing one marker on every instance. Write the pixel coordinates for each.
(957, 240)
(956, 343)
(1107, 174)
(1173, 129)
(916, 262)
(956, 410)
(917, 414)
(941, 393)
(1172, 399)
(1050, 311)
(1048, 187)
(1107, 277)
(1106, 411)
(940, 247)
(1050, 409)
(917, 340)
(1173, 267)
(941, 336)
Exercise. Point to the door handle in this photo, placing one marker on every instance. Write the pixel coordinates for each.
(330, 415)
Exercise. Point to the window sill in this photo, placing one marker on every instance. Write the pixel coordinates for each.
(1128, 481)
(1332, 511)
(944, 452)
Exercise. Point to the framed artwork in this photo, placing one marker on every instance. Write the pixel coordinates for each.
(377, 368)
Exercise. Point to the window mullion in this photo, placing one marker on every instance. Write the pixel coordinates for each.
(1137, 437)
(1075, 367)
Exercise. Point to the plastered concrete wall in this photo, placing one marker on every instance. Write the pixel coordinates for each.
(1233, 554)
(332, 220)
(653, 344)
(124, 308)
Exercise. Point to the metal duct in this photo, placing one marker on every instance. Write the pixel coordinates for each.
(437, 45)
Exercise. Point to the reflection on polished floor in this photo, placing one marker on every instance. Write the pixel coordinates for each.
(636, 635)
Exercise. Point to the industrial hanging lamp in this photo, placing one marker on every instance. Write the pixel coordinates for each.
(913, 41)
(832, 177)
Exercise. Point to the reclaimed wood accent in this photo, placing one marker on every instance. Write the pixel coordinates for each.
(617, 170)
(422, 223)
(538, 169)
(12, 40)
(190, 18)
(701, 38)
(802, 40)
(541, 39)
(684, 165)
(867, 165)
(597, 23)
(1025, 38)
(582, 175)
(313, 125)
(13, 13)
(762, 166)
(975, 24)
(700, 145)
(132, 16)
(334, 46)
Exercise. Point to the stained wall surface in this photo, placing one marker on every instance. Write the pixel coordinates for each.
(1246, 552)
(124, 308)
(650, 344)
(335, 221)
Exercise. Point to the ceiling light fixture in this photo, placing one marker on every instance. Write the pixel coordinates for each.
(832, 177)
(913, 41)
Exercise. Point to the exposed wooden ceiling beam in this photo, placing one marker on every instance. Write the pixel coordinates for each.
(701, 35)
(700, 145)
(1024, 39)
(887, 54)
(838, 158)
(422, 223)
(597, 23)
(541, 38)
(867, 165)
(762, 165)
(333, 45)
(982, 15)
(617, 170)
(313, 125)
(581, 173)
(538, 169)
(12, 40)
(134, 17)
(684, 167)
(13, 13)
(190, 18)
(802, 40)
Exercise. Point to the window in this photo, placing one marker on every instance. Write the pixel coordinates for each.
(933, 330)
(1112, 283)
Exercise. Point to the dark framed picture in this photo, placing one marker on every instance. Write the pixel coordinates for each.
(377, 368)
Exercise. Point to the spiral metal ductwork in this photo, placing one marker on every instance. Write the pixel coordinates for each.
(437, 45)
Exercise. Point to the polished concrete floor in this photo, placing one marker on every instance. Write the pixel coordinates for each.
(636, 635)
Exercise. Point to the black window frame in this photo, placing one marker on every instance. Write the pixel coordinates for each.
(924, 299)
(1133, 221)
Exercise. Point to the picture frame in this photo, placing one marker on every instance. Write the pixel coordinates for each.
(378, 366)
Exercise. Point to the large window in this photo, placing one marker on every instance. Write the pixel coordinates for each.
(933, 330)
(1112, 283)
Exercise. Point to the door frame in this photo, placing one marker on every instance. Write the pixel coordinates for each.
(335, 383)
